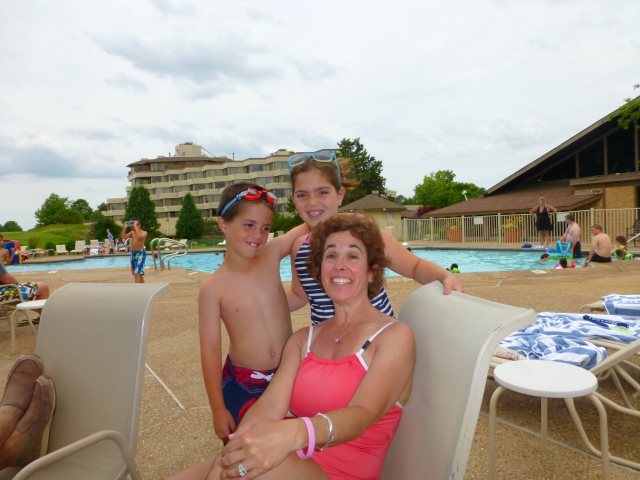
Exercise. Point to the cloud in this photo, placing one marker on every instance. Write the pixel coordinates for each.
(125, 82)
(96, 134)
(314, 69)
(41, 156)
(174, 7)
(215, 66)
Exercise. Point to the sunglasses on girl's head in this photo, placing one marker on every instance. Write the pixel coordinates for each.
(323, 157)
(252, 194)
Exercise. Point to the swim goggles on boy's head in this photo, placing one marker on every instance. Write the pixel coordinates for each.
(323, 157)
(252, 194)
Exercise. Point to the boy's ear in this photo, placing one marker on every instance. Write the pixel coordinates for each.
(222, 223)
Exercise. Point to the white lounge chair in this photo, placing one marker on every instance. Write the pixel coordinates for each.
(184, 241)
(80, 247)
(61, 250)
(96, 362)
(455, 335)
(7, 308)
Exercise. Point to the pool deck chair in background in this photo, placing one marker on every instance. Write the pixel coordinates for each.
(455, 335)
(80, 246)
(61, 250)
(93, 342)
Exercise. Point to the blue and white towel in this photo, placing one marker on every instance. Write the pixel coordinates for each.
(562, 337)
(622, 304)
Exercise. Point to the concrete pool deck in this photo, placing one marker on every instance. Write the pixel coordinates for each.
(176, 432)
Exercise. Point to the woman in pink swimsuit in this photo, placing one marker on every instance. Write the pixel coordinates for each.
(344, 380)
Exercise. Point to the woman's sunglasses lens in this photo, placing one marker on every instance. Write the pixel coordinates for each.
(323, 156)
(298, 159)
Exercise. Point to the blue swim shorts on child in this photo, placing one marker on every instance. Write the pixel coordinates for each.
(137, 261)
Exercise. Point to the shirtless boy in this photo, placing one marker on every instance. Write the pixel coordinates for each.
(138, 253)
(572, 235)
(600, 248)
(247, 294)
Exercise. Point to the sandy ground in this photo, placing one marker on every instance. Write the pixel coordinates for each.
(173, 436)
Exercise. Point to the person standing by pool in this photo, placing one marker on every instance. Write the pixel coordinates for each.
(543, 214)
(600, 248)
(572, 235)
(318, 181)
(138, 253)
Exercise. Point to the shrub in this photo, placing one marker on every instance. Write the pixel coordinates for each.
(33, 243)
(70, 245)
(50, 246)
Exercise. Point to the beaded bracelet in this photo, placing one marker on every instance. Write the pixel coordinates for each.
(326, 417)
(312, 439)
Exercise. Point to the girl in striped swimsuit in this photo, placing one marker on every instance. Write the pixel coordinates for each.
(318, 183)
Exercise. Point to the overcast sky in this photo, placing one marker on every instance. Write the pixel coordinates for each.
(481, 88)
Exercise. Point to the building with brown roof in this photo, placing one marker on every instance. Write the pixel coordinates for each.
(381, 209)
(597, 168)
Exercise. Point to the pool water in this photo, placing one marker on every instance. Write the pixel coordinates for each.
(467, 260)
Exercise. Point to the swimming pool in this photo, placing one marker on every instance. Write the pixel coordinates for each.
(467, 260)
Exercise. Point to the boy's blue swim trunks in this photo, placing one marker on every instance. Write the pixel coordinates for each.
(137, 261)
(241, 387)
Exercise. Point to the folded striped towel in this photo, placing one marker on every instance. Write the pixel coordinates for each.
(622, 304)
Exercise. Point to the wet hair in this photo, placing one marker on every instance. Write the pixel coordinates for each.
(597, 226)
(621, 240)
(230, 192)
(570, 217)
(619, 253)
(563, 262)
(364, 229)
(543, 256)
(329, 170)
(454, 265)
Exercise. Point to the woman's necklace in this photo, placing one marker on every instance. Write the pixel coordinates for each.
(336, 340)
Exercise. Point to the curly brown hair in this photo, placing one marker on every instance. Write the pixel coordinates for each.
(364, 229)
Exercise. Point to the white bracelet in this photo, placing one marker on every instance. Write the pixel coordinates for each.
(326, 417)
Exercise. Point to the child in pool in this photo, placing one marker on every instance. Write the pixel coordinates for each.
(318, 182)
(454, 268)
(621, 244)
(544, 258)
(247, 294)
(621, 254)
(562, 263)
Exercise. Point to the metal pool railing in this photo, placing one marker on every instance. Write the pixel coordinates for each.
(505, 228)
(163, 248)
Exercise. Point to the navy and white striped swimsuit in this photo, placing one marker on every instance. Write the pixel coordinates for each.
(321, 305)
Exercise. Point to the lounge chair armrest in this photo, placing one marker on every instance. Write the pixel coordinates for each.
(81, 444)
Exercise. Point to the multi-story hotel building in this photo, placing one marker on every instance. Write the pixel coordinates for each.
(169, 179)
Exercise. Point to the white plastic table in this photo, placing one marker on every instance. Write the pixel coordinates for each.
(546, 379)
(33, 305)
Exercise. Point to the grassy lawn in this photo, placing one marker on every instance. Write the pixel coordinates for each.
(58, 234)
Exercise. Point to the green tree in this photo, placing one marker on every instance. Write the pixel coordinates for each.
(11, 226)
(141, 206)
(99, 228)
(51, 206)
(283, 222)
(103, 207)
(628, 113)
(440, 189)
(363, 167)
(211, 227)
(82, 206)
(190, 223)
(68, 217)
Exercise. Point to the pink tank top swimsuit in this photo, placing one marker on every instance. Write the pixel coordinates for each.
(323, 385)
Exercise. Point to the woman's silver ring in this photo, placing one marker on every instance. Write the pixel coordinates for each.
(241, 470)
